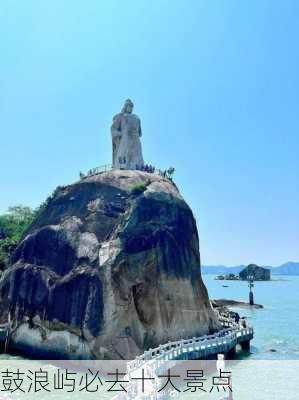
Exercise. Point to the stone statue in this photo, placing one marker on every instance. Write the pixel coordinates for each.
(126, 144)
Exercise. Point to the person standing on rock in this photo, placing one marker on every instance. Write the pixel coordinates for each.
(126, 144)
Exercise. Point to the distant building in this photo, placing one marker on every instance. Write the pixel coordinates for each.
(228, 277)
(231, 277)
(258, 273)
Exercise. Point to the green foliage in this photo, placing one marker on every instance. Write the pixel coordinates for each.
(138, 189)
(12, 226)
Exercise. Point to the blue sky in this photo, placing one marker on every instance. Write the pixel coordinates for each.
(215, 83)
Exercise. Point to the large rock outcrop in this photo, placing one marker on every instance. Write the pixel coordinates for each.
(256, 273)
(110, 268)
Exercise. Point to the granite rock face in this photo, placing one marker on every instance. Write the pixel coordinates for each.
(110, 268)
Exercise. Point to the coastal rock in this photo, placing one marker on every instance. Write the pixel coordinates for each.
(111, 267)
(257, 273)
(233, 303)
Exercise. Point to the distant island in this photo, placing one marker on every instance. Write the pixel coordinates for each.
(251, 272)
(288, 268)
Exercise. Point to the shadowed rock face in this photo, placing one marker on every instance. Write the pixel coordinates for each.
(106, 273)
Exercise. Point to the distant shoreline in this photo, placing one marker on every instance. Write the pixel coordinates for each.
(286, 279)
(290, 268)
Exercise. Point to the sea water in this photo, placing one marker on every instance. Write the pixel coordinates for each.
(276, 325)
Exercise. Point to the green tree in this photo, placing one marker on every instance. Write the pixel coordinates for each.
(15, 222)
(12, 226)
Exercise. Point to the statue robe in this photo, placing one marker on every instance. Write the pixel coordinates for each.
(126, 132)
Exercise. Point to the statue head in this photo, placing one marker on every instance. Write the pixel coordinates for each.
(128, 107)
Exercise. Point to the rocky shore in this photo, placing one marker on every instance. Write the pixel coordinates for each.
(233, 303)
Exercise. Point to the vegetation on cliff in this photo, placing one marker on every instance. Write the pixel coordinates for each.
(12, 226)
(14, 223)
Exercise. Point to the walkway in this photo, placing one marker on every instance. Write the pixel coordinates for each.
(203, 347)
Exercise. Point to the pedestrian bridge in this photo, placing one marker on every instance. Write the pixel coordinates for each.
(204, 347)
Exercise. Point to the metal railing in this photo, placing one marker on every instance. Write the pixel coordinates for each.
(151, 360)
(172, 350)
(96, 171)
(168, 174)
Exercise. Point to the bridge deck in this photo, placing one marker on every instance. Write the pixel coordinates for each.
(202, 347)
(196, 348)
